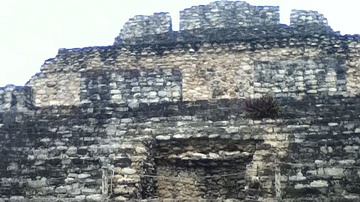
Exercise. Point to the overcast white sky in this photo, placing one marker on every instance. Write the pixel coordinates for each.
(33, 30)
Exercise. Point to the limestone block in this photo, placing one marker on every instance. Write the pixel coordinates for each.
(319, 183)
(95, 198)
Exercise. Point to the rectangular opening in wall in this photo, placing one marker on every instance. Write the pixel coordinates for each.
(202, 168)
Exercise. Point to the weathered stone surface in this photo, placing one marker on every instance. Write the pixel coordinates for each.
(128, 171)
(319, 183)
(120, 199)
(95, 198)
(160, 113)
(17, 199)
(83, 175)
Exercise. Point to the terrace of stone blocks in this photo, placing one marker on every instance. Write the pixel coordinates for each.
(157, 115)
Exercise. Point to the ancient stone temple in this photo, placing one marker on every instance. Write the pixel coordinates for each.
(159, 116)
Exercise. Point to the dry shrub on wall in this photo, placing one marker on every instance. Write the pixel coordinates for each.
(263, 107)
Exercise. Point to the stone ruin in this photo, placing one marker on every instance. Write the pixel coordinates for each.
(158, 115)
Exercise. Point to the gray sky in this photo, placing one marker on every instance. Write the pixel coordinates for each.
(33, 30)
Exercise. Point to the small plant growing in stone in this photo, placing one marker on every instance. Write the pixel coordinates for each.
(263, 107)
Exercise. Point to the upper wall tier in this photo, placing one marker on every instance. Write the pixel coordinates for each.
(141, 26)
(228, 14)
(224, 60)
(235, 18)
(307, 18)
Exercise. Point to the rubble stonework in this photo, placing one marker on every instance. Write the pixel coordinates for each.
(158, 115)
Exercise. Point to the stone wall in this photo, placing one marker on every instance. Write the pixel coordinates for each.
(56, 89)
(159, 114)
(298, 77)
(306, 18)
(131, 87)
(227, 14)
(16, 97)
(185, 150)
(141, 26)
(205, 71)
(217, 58)
(47, 157)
